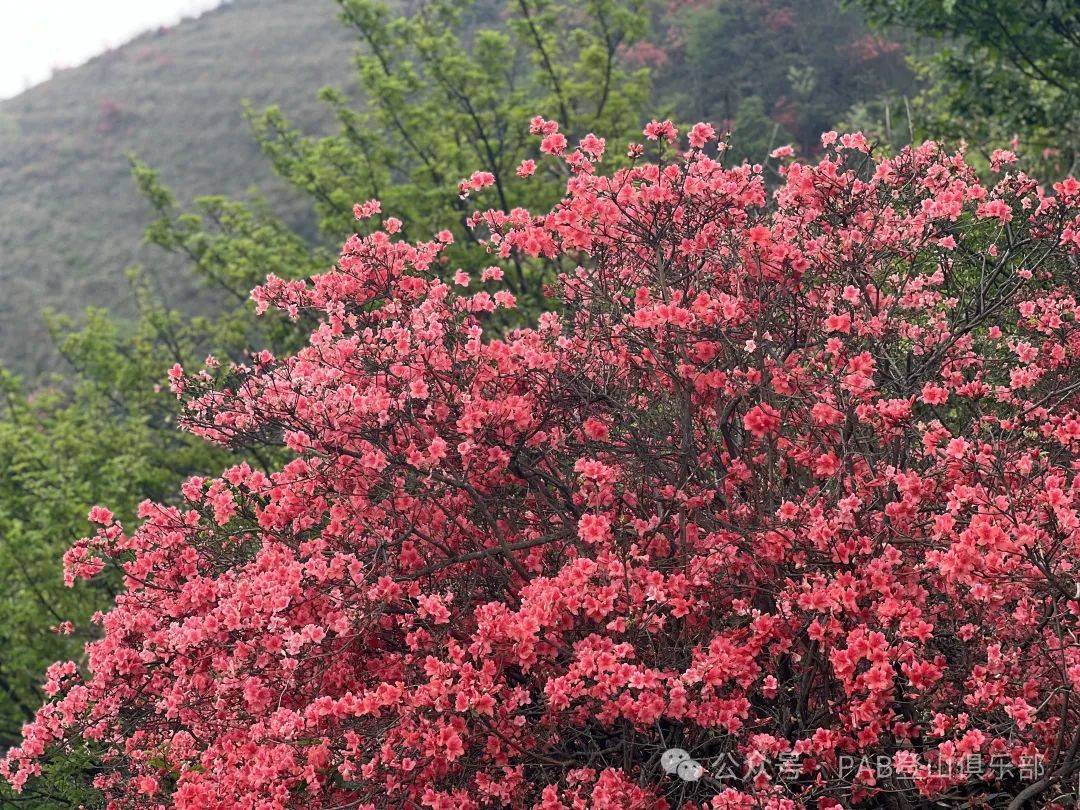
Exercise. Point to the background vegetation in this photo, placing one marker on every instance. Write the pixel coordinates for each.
(71, 220)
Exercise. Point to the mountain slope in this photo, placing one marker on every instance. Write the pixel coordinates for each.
(70, 218)
(71, 221)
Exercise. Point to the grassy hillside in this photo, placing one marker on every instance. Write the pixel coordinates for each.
(70, 219)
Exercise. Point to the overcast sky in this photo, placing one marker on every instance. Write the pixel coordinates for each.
(39, 35)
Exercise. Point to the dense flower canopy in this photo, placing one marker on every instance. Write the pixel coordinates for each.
(786, 480)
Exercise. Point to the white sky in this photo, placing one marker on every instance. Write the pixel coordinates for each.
(39, 35)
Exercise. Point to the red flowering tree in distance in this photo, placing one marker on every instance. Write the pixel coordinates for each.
(789, 485)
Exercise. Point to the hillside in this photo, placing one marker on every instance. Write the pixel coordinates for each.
(70, 219)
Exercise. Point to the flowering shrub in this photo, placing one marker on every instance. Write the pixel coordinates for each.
(789, 486)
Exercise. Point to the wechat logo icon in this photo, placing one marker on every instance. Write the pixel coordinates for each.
(677, 762)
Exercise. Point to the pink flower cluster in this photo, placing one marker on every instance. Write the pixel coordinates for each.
(778, 477)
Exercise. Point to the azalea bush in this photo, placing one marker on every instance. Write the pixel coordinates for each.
(782, 486)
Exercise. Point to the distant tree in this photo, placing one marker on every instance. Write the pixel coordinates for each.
(754, 134)
(805, 61)
(1004, 68)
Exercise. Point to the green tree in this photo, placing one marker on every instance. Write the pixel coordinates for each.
(754, 134)
(1003, 68)
(443, 95)
(804, 61)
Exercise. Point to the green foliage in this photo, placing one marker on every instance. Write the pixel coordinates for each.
(1004, 68)
(447, 95)
(800, 63)
(64, 783)
(230, 247)
(60, 452)
(70, 218)
(754, 134)
(108, 432)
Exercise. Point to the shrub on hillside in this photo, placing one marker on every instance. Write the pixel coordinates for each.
(786, 488)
